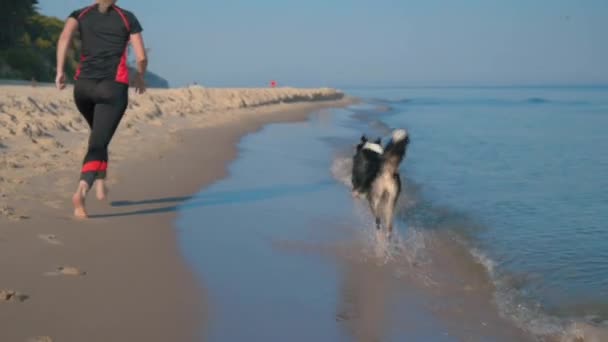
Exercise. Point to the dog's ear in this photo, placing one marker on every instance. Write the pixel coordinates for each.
(363, 138)
(378, 141)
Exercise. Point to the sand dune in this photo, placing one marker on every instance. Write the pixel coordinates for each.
(37, 112)
(41, 130)
(65, 279)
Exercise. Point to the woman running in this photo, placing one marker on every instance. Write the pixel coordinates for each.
(101, 82)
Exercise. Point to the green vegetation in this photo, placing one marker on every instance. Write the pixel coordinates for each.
(13, 16)
(28, 41)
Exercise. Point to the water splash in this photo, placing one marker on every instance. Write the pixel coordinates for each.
(407, 251)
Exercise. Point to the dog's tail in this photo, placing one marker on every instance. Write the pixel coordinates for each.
(394, 152)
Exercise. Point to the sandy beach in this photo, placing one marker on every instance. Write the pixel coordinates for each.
(230, 270)
(41, 130)
(306, 171)
(118, 276)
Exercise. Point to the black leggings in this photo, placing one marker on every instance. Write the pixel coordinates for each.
(102, 103)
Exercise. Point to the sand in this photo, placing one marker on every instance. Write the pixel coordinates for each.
(41, 130)
(118, 276)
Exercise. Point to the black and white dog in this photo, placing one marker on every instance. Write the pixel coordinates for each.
(375, 175)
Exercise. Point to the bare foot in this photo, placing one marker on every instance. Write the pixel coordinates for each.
(101, 190)
(78, 200)
(50, 239)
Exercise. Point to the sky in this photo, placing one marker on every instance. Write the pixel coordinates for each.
(344, 43)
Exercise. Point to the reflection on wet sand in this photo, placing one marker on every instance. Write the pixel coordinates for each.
(364, 295)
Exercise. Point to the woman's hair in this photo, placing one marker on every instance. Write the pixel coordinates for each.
(104, 5)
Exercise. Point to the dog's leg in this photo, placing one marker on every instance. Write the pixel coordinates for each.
(389, 212)
(395, 200)
(374, 205)
(388, 218)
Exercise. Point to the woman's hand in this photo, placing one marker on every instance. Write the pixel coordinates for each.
(60, 80)
(139, 83)
(142, 62)
(63, 43)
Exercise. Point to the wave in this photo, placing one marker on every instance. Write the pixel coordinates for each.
(531, 317)
(475, 102)
(414, 246)
(535, 100)
(386, 101)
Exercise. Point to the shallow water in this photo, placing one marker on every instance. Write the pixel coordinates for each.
(508, 179)
(528, 168)
(277, 247)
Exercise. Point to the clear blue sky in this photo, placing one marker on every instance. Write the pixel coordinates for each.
(371, 42)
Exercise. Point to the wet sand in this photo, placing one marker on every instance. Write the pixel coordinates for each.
(288, 255)
(276, 254)
(119, 276)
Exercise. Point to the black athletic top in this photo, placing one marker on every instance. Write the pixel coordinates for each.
(105, 37)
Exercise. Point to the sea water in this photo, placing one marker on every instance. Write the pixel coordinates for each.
(517, 176)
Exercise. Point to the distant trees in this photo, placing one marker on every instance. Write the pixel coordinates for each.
(13, 16)
(28, 41)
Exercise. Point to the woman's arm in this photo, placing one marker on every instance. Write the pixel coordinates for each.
(63, 44)
(141, 58)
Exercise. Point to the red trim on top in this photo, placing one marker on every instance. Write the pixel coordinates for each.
(122, 74)
(123, 16)
(82, 59)
(86, 10)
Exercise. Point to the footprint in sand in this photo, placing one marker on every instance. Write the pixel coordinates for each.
(50, 238)
(11, 213)
(12, 296)
(40, 339)
(66, 271)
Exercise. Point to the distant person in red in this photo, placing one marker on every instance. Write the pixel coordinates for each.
(101, 83)
(273, 84)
